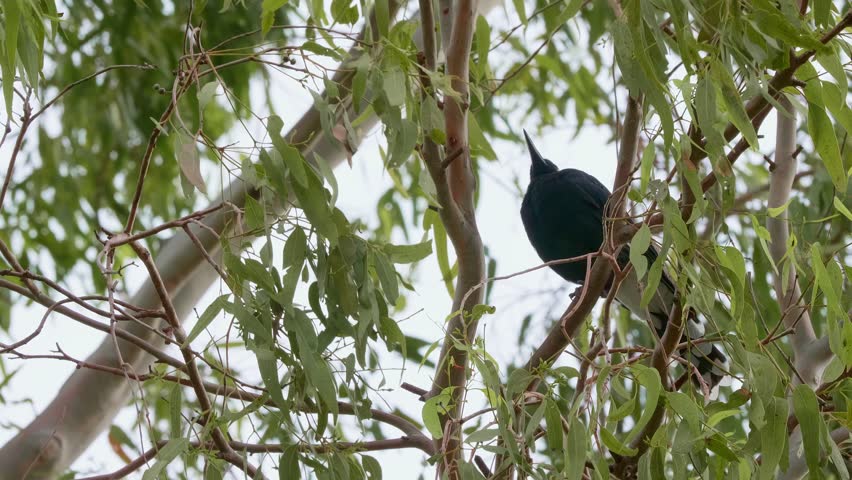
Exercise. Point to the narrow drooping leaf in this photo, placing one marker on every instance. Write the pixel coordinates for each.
(638, 246)
(806, 406)
(408, 253)
(170, 451)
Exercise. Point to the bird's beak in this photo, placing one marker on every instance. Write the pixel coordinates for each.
(536, 157)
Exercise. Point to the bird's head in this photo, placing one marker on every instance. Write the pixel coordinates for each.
(540, 165)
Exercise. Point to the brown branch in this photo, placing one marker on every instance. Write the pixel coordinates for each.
(26, 120)
(252, 448)
(173, 318)
(140, 343)
(118, 240)
(182, 84)
(406, 427)
(455, 186)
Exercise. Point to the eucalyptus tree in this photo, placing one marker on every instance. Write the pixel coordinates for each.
(147, 137)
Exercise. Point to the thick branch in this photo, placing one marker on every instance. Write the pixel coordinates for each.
(251, 448)
(455, 185)
(794, 314)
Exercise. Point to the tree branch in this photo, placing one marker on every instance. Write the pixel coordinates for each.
(794, 314)
(252, 448)
(455, 186)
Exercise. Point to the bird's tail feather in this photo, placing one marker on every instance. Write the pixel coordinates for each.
(708, 359)
(705, 356)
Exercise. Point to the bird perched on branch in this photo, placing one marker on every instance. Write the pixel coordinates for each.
(563, 215)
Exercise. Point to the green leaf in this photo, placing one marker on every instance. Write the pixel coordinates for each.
(733, 103)
(706, 111)
(521, 9)
(615, 445)
(655, 274)
(775, 211)
(292, 158)
(717, 417)
(483, 39)
(829, 58)
(575, 451)
(325, 170)
(432, 410)
(674, 227)
(838, 204)
(175, 402)
(295, 249)
(835, 101)
(553, 422)
(288, 466)
(806, 406)
(823, 281)
(394, 82)
(650, 379)
(275, 172)
(188, 160)
(825, 142)
(432, 120)
(483, 435)
(314, 47)
(773, 437)
(254, 214)
(204, 320)
(342, 11)
(12, 19)
(403, 143)
(408, 253)
(382, 17)
(686, 408)
(313, 202)
(170, 451)
(647, 166)
(205, 94)
(372, 467)
(837, 458)
(479, 144)
(638, 246)
(387, 277)
(319, 375)
(822, 12)
(267, 364)
(518, 381)
(267, 14)
(775, 25)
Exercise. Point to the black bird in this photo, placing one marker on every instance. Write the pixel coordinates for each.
(563, 213)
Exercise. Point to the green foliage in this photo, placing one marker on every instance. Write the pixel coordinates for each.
(314, 298)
